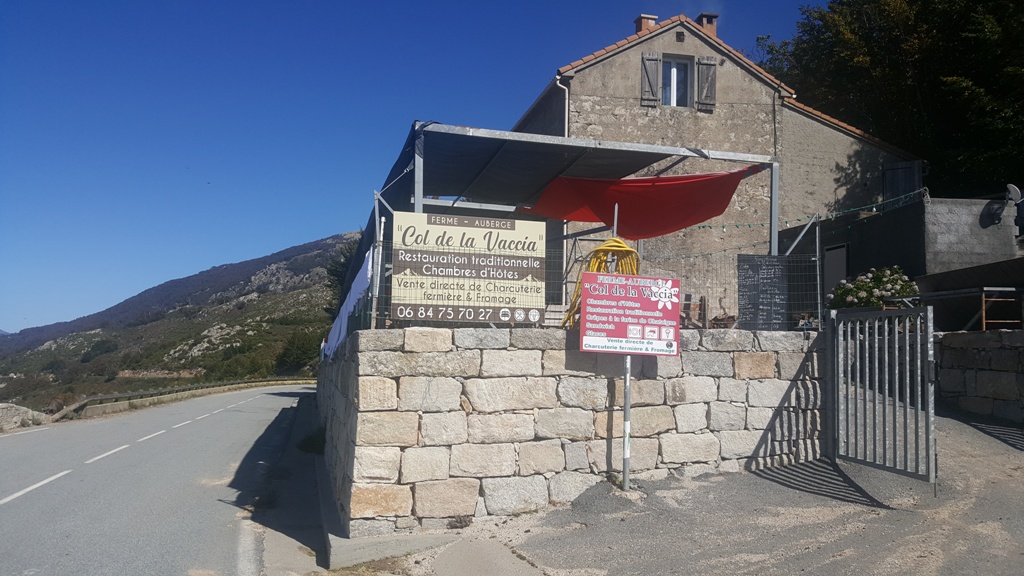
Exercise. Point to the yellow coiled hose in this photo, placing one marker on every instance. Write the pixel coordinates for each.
(626, 259)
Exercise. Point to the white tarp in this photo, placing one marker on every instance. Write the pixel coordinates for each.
(360, 284)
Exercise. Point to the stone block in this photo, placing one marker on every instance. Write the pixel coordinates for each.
(727, 416)
(807, 395)
(569, 423)
(770, 393)
(586, 393)
(989, 339)
(481, 338)
(538, 339)
(754, 365)
(742, 443)
(608, 424)
(707, 363)
(483, 460)
(429, 463)
(1005, 360)
(500, 363)
(429, 393)
(370, 528)
(504, 394)
(732, 390)
(691, 417)
(541, 457)
(606, 455)
(376, 464)
(373, 500)
(689, 339)
(395, 364)
(688, 448)
(566, 486)
(691, 389)
(1008, 410)
(641, 392)
(721, 340)
(507, 496)
(500, 428)
(387, 429)
(662, 366)
(576, 457)
(801, 365)
(446, 498)
(554, 364)
(651, 420)
(376, 393)
(997, 385)
(759, 418)
(423, 339)
(376, 340)
(614, 365)
(781, 341)
(443, 428)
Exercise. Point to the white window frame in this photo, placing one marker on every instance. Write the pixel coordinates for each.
(670, 68)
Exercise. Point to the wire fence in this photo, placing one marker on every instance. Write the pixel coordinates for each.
(466, 288)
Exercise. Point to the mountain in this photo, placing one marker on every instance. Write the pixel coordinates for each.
(252, 319)
(2, 333)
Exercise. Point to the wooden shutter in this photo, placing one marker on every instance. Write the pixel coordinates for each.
(650, 84)
(707, 70)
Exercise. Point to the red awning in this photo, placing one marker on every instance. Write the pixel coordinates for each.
(648, 207)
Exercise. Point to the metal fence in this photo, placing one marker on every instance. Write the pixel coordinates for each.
(728, 289)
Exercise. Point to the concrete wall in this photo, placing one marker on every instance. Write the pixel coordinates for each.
(956, 237)
(983, 372)
(429, 427)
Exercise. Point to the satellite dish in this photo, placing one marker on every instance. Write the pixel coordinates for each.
(1013, 193)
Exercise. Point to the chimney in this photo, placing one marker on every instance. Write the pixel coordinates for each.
(645, 21)
(709, 22)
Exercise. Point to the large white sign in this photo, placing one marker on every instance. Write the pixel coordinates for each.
(467, 269)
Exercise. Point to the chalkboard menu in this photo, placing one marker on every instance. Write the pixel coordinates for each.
(763, 292)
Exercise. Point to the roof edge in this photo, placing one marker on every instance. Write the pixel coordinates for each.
(846, 128)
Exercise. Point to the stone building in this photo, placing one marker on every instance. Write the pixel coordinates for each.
(675, 83)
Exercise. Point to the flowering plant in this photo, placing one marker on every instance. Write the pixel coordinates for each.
(869, 289)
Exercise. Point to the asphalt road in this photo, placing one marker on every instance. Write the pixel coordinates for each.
(165, 490)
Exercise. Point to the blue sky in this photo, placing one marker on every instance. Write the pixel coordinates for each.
(146, 141)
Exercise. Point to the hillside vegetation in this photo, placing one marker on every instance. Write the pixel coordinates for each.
(255, 319)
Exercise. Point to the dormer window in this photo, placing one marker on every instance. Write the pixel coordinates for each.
(676, 81)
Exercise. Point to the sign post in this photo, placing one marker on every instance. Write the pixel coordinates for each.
(628, 315)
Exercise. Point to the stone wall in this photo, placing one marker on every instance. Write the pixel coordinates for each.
(983, 372)
(429, 427)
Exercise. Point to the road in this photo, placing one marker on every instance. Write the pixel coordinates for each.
(165, 490)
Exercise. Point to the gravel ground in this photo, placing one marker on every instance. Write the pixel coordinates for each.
(811, 518)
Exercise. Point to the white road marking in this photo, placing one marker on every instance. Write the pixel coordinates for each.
(91, 460)
(203, 416)
(33, 487)
(26, 431)
(182, 424)
(233, 405)
(221, 410)
(151, 435)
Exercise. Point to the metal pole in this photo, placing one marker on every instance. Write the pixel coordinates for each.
(625, 425)
(615, 221)
(378, 257)
(774, 210)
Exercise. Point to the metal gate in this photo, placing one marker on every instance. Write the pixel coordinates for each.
(882, 371)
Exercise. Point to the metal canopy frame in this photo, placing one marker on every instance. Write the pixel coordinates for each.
(497, 170)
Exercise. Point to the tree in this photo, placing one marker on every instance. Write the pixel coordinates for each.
(943, 79)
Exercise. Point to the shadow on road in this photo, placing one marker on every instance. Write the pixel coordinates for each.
(821, 478)
(1006, 432)
(276, 481)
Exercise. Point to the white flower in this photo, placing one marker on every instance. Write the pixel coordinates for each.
(665, 294)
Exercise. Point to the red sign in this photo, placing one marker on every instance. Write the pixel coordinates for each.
(629, 315)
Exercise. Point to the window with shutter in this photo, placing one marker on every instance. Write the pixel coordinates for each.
(650, 84)
(707, 70)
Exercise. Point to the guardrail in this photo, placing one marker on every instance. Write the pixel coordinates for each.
(143, 394)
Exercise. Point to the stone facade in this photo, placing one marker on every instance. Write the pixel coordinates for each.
(513, 429)
(982, 372)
